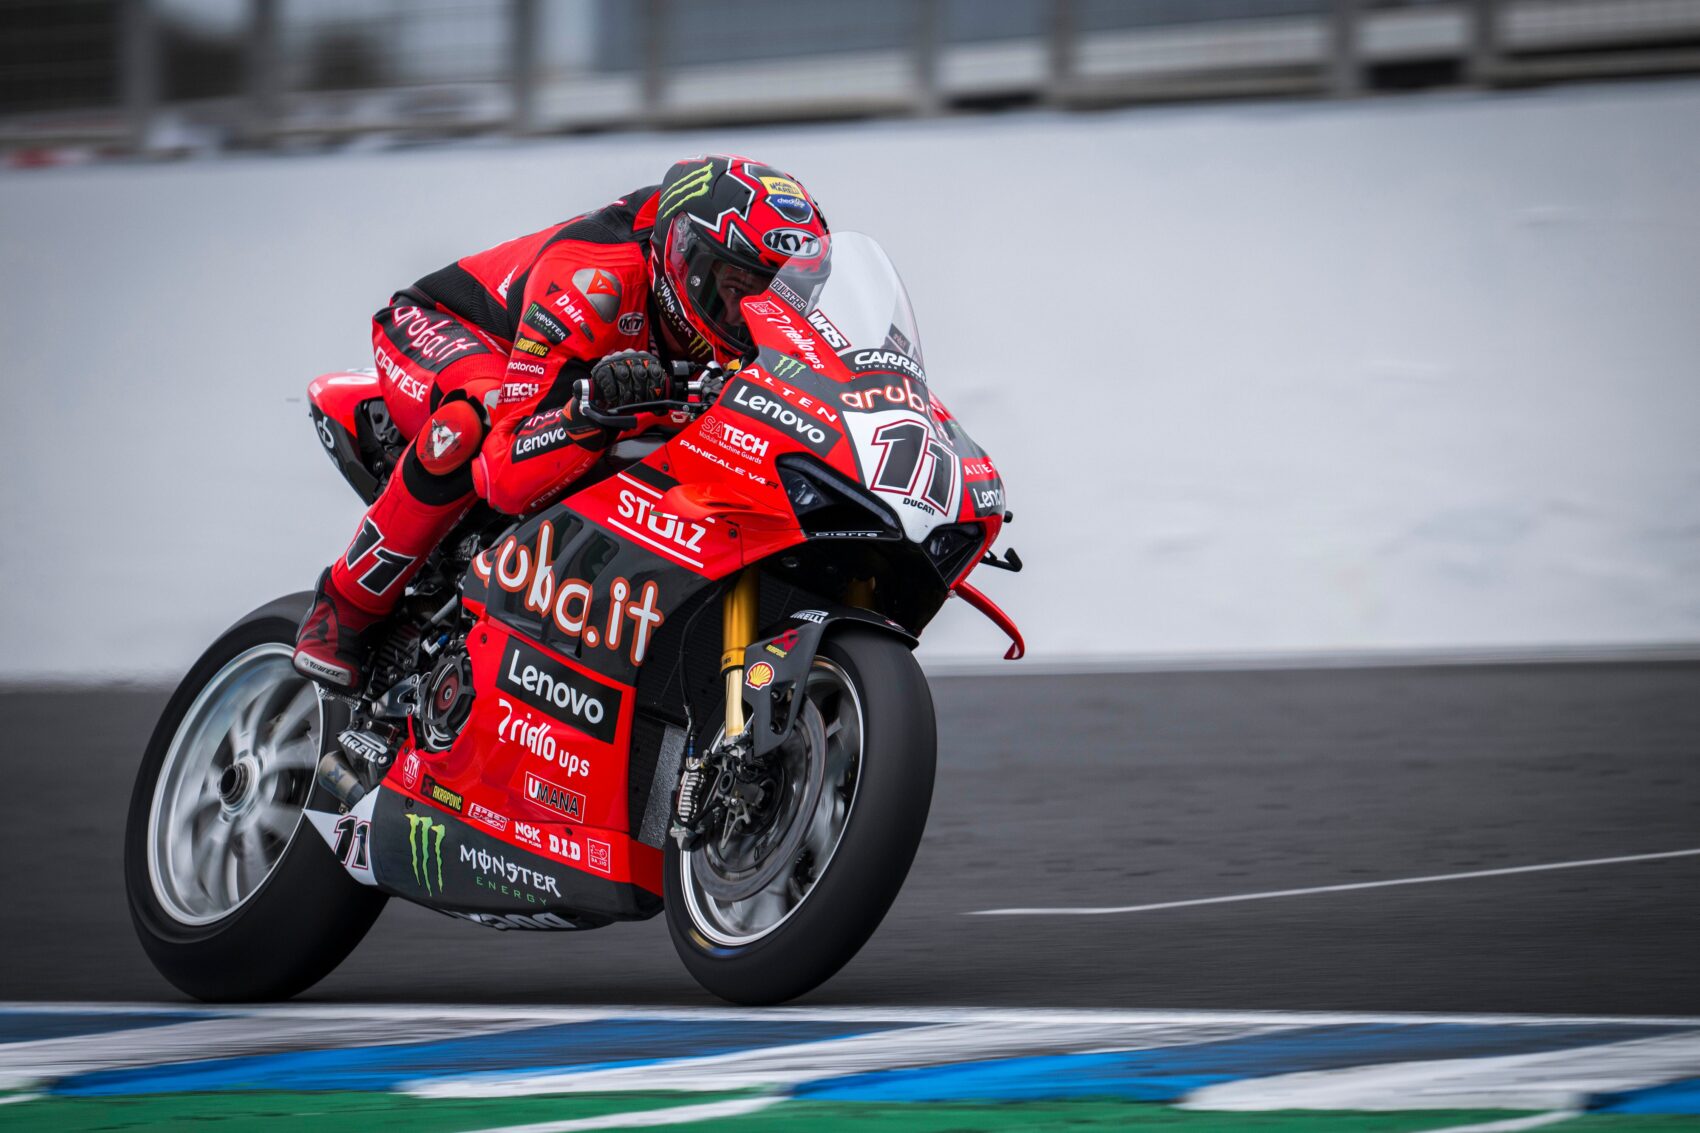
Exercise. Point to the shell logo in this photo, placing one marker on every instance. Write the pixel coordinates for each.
(760, 675)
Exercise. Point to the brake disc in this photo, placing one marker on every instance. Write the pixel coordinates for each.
(737, 880)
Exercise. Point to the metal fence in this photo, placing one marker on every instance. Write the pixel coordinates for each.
(180, 75)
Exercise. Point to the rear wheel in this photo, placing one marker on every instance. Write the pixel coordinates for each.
(774, 907)
(232, 895)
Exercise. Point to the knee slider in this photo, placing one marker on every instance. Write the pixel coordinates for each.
(450, 438)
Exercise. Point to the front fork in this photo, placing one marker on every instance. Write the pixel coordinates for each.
(737, 632)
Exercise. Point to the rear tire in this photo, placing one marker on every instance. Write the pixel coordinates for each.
(756, 964)
(268, 911)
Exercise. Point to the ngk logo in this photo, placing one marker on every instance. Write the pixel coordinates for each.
(731, 437)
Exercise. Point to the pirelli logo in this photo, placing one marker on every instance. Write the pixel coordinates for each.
(531, 346)
(687, 188)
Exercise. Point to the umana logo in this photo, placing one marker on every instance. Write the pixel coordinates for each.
(423, 850)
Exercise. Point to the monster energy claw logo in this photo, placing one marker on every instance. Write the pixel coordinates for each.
(421, 849)
(689, 187)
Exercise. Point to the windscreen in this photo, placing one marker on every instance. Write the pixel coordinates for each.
(860, 309)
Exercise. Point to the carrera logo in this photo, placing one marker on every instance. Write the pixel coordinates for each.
(732, 438)
(528, 570)
(442, 796)
(795, 242)
(554, 796)
(555, 690)
(746, 399)
(488, 817)
(885, 360)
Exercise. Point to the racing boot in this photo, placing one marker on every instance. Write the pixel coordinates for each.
(334, 641)
(429, 492)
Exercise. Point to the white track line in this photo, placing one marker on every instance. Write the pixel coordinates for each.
(1094, 912)
(779, 1067)
(673, 1115)
(1512, 1124)
(1546, 1081)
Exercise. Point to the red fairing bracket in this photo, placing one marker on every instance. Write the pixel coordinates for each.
(1017, 646)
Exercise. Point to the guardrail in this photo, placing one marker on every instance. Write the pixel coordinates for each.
(156, 76)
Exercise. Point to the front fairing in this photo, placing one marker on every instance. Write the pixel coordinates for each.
(840, 368)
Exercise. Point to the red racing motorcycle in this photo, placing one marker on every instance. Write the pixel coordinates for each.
(686, 687)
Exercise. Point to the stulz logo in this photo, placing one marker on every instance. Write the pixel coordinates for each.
(681, 534)
(520, 727)
(554, 689)
(747, 399)
(521, 569)
(554, 796)
(793, 242)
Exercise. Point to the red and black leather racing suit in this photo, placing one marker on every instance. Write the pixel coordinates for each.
(509, 330)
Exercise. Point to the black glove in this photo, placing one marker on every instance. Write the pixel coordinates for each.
(627, 378)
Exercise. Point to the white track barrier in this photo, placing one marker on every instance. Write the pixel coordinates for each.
(1413, 374)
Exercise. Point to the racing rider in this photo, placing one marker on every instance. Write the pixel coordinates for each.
(478, 363)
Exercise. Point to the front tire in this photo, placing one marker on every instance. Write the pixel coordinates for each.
(235, 897)
(868, 810)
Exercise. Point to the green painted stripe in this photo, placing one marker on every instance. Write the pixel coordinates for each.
(331, 1112)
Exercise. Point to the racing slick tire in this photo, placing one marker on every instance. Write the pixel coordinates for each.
(233, 895)
(869, 700)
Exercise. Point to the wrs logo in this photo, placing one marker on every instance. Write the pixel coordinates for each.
(425, 846)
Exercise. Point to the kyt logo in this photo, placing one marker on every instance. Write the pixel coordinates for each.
(423, 850)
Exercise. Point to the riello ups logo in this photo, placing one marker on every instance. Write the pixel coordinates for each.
(555, 690)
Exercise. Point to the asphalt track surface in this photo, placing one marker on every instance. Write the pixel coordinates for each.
(1101, 790)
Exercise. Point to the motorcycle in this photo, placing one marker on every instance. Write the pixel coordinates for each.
(686, 687)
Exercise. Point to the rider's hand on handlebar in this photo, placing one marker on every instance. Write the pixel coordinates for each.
(626, 378)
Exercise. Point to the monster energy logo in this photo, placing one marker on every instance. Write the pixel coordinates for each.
(421, 849)
(689, 187)
(786, 367)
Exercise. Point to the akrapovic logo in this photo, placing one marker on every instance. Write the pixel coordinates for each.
(554, 689)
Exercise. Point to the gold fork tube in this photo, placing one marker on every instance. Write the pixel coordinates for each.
(737, 632)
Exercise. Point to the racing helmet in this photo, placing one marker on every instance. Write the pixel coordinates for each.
(724, 225)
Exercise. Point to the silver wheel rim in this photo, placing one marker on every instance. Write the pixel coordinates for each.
(736, 923)
(230, 793)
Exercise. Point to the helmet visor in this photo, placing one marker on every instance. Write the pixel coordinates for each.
(714, 285)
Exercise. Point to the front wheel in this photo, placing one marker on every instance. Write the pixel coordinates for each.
(772, 909)
(233, 895)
